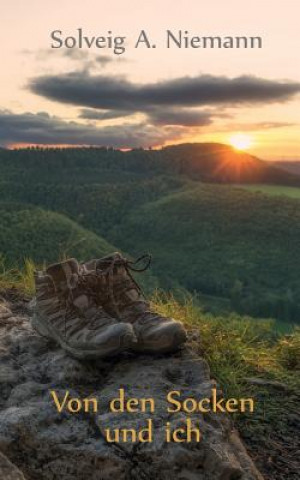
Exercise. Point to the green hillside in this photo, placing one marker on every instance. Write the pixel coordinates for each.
(96, 206)
(226, 242)
(277, 190)
(30, 232)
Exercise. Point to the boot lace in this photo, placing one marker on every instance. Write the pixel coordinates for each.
(129, 266)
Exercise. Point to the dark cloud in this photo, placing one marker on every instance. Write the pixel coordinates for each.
(43, 129)
(171, 102)
(156, 116)
(92, 114)
(180, 116)
(116, 93)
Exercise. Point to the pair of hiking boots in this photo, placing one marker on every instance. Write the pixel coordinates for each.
(96, 309)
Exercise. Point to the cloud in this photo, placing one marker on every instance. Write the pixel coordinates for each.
(90, 114)
(180, 116)
(41, 128)
(105, 59)
(117, 93)
(86, 59)
(171, 110)
(157, 116)
(256, 126)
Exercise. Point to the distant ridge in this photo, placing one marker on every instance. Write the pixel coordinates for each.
(290, 166)
(220, 163)
(206, 162)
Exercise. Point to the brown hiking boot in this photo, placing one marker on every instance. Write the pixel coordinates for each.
(121, 297)
(66, 311)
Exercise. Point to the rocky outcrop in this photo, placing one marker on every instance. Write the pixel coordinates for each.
(48, 445)
(8, 471)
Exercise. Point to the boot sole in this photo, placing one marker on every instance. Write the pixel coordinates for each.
(179, 338)
(41, 326)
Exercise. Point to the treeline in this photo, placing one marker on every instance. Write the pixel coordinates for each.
(206, 162)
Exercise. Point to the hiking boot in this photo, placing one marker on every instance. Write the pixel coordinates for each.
(66, 311)
(122, 298)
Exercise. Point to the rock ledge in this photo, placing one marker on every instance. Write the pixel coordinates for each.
(46, 445)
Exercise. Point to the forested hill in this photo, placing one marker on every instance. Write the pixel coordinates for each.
(213, 162)
(239, 248)
(208, 162)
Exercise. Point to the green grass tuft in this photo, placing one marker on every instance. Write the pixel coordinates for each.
(236, 347)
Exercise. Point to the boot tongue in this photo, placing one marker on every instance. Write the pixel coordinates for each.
(64, 274)
(121, 287)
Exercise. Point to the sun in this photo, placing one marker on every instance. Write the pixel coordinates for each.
(241, 141)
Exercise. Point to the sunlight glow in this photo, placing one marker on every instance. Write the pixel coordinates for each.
(241, 141)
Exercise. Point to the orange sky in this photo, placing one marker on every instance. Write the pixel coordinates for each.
(272, 127)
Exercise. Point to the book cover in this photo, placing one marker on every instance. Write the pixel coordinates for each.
(149, 240)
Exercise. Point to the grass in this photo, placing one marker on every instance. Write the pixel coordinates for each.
(242, 351)
(274, 190)
(236, 347)
(13, 278)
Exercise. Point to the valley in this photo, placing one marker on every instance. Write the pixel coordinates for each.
(221, 225)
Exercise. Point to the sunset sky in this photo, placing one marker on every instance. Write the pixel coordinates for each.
(157, 96)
